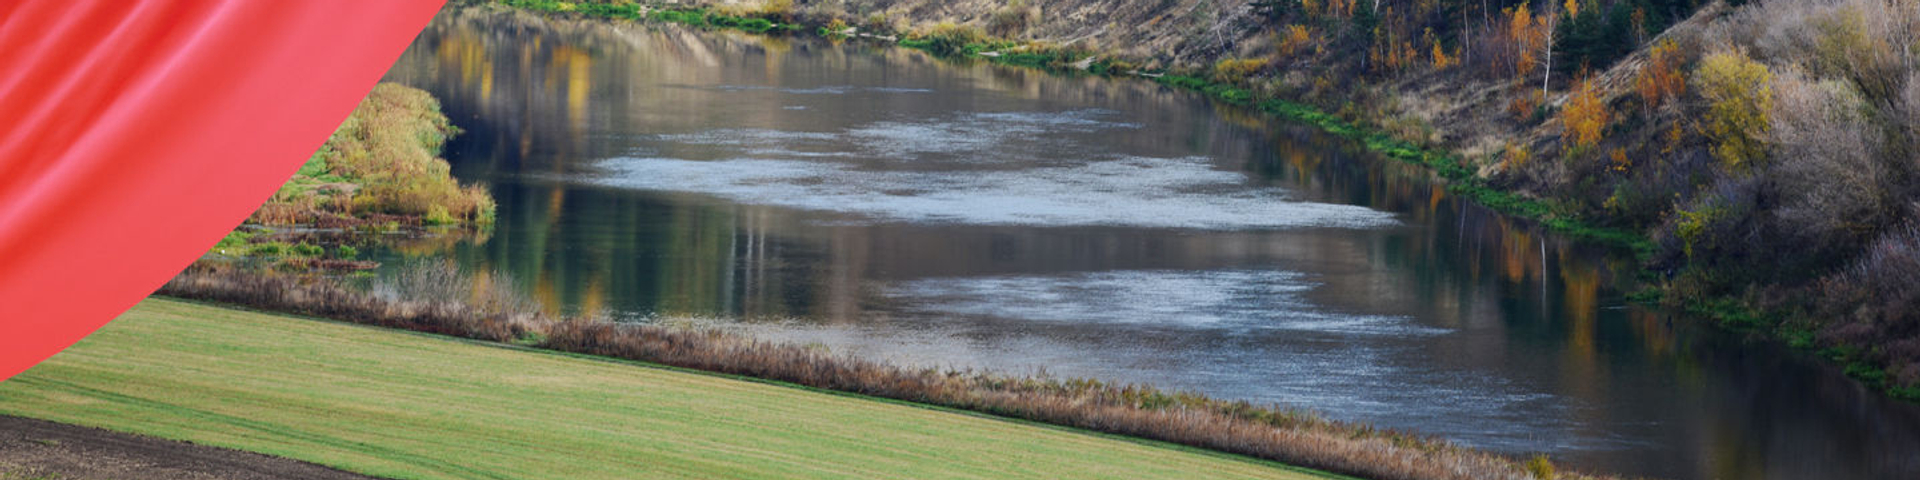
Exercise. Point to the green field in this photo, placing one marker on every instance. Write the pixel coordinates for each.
(405, 405)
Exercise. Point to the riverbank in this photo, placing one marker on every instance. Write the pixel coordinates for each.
(1288, 436)
(376, 180)
(412, 406)
(1622, 167)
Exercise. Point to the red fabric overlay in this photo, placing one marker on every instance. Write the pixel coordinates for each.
(135, 134)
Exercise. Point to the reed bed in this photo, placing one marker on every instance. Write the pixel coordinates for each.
(1269, 432)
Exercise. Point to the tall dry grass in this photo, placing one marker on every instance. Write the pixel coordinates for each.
(1263, 431)
(308, 295)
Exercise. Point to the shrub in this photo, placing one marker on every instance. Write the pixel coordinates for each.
(1013, 20)
(1237, 70)
(307, 250)
(1660, 80)
(1294, 40)
(1739, 95)
(1540, 467)
(1876, 301)
(1523, 107)
(1585, 117)
(268, 249)
(381, 160)
(776, 10)
(1835, 188)
(947, 39)
(1846, 45)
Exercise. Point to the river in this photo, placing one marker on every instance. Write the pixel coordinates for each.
(878, 202)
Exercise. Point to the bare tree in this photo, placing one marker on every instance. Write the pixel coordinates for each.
(1552, 14)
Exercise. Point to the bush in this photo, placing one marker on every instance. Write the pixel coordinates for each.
(307, 250)
(1585, 117)
(947, 39)
(1013, 20)
(1237, 70)
(1739, 95)
(1294, 40)
(1876, 302)
(1540, 467)
(381, 160)
(1660, 80)
(1835, 187)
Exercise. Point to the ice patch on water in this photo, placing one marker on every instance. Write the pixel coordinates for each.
(1217, 299)
(745, 137)
(996, 137)
(1130, 191)
(977, 133)
(821, 90)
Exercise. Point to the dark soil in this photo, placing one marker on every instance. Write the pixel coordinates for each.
(42, 450)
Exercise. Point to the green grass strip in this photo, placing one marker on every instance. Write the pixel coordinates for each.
(416, 406)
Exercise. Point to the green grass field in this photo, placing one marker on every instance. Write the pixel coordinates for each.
(412, 406)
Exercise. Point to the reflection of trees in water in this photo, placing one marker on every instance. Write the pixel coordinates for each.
(540, 95)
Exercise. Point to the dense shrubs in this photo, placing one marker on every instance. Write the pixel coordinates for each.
(382, 160)
(1876, 302)
(1810, 214)
(1013, 20)
(946, 39)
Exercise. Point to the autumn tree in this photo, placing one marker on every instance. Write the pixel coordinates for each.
(1526, 38)
(1660, 80)
(1739, 94)
(1585, 116)
(1293, 40)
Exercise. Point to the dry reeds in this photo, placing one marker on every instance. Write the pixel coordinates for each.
(322, 298)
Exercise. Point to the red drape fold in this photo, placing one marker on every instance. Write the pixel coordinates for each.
(133, 135)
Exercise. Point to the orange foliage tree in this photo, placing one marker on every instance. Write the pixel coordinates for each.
(1662, 78)
(1585, 116)
(1528, 37)
(1294, 40)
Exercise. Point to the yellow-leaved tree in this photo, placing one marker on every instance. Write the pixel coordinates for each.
(1739, 95)
(1585, 117)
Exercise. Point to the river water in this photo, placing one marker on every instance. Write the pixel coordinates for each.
(878, 202)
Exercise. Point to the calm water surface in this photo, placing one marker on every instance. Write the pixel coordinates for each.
(885, 204)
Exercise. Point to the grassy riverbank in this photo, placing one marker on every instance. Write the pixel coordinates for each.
(414, 406)
(381, 164)
(377, 175)
(1141, 411)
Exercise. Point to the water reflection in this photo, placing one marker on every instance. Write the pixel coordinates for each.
(646, 170)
